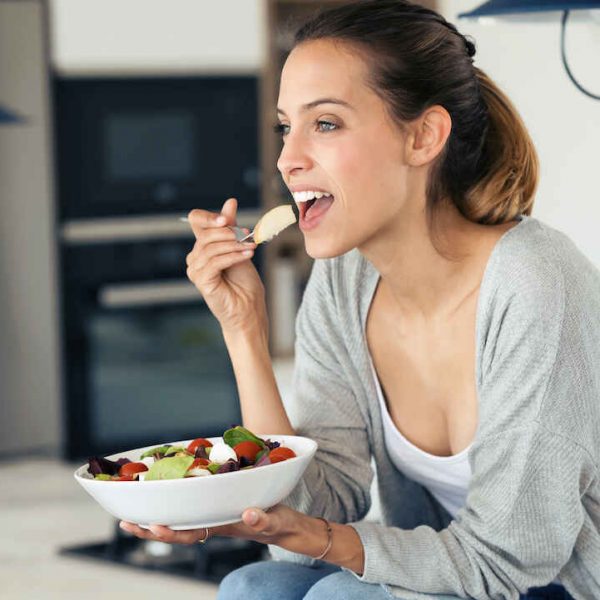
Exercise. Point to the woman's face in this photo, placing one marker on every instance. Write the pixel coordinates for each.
(338, 138)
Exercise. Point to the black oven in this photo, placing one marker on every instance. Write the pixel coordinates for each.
(145, 359)
(135, 145)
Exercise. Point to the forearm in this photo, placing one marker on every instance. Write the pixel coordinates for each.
(262, 409)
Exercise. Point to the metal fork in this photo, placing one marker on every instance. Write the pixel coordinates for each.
(240, 234)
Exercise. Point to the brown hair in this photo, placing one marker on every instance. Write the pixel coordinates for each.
(489, 166)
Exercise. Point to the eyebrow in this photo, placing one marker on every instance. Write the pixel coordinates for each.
(314, 103)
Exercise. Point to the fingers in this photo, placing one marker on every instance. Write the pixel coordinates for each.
(159, 533)
(229, 210)
(201, 220)
(217, 249)
(209, 236)
(205, 277)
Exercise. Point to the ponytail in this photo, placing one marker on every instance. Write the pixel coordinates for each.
(508, 162)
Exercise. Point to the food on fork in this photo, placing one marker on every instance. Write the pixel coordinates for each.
(273, 223)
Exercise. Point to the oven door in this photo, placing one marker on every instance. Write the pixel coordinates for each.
(149, 366)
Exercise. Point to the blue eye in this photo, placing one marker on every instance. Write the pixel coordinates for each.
(323, 127)
(280, 129)
(328, 125)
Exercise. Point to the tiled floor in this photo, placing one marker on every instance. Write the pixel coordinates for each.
(43, 509)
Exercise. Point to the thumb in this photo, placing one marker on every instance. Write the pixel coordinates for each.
(229, 210)
(256, 518)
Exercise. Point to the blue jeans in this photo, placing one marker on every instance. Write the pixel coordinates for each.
(282, 580)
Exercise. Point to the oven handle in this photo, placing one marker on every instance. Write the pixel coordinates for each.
(130, 295)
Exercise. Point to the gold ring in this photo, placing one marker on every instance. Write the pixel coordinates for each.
(206, 534)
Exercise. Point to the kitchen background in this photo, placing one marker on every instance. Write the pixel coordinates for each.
(100, 334)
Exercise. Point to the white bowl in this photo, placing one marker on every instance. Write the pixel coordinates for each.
(196, 502)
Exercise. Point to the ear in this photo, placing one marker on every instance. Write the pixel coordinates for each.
(429, 133)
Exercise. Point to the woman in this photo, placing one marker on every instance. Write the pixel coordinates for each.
(444, 333)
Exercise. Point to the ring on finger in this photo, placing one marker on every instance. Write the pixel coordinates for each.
(206, 535)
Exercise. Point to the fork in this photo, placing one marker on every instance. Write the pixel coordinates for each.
(240, 234)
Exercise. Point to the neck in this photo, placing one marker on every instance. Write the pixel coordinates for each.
(428, 274)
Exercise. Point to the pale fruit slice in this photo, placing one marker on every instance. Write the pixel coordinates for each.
(273, 222)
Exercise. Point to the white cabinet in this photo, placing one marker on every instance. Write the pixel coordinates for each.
(157, 36)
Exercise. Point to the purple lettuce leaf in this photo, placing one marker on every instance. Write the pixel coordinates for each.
(271, 445)
(98, 465)
(245, 462)
(263, 460)
(229, 466)
(200, 452)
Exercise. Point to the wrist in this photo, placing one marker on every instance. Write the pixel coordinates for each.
(314, 537)
(345, 550)
(254, 333)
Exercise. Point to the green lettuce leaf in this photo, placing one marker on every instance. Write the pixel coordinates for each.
(213, 467)
(161, 450)
(174, 450)
(172, 467)
(238, 434)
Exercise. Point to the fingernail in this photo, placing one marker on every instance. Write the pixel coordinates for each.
(247, 253)
(252, 517)
(123, 526)
(221, 220)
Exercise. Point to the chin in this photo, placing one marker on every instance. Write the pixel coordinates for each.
(324, 247)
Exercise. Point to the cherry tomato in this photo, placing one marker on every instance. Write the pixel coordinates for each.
(129, 469)
(199, 463)
(247, 449)
(281, 453)
(198, 442)
(124, 478)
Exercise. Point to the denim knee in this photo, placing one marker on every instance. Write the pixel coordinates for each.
(250, 580)
(345, 586)
(272, 580)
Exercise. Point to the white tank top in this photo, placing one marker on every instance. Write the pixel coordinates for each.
(446, 477)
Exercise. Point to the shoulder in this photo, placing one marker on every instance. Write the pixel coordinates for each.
(541, 270)
(538, 330)
(539, 294)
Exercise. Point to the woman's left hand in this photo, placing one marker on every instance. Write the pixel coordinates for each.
(279, 525)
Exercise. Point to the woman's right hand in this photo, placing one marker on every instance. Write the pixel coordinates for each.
(222, 271)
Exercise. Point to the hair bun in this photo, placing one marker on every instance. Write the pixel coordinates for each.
(470, 47)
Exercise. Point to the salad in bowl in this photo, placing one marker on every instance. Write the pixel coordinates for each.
(196, 483)
(239, 449)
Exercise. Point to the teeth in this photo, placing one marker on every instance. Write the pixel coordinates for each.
(309, 195)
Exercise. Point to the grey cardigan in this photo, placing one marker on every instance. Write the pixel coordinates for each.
(532, 513)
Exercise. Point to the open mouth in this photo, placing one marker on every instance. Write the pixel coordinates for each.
(312, 206)
(312, 210)
(312, 202)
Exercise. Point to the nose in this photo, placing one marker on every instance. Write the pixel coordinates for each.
(294, 156)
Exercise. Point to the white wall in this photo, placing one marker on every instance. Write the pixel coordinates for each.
(524, 59)
(155, 36)
(30, 399)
